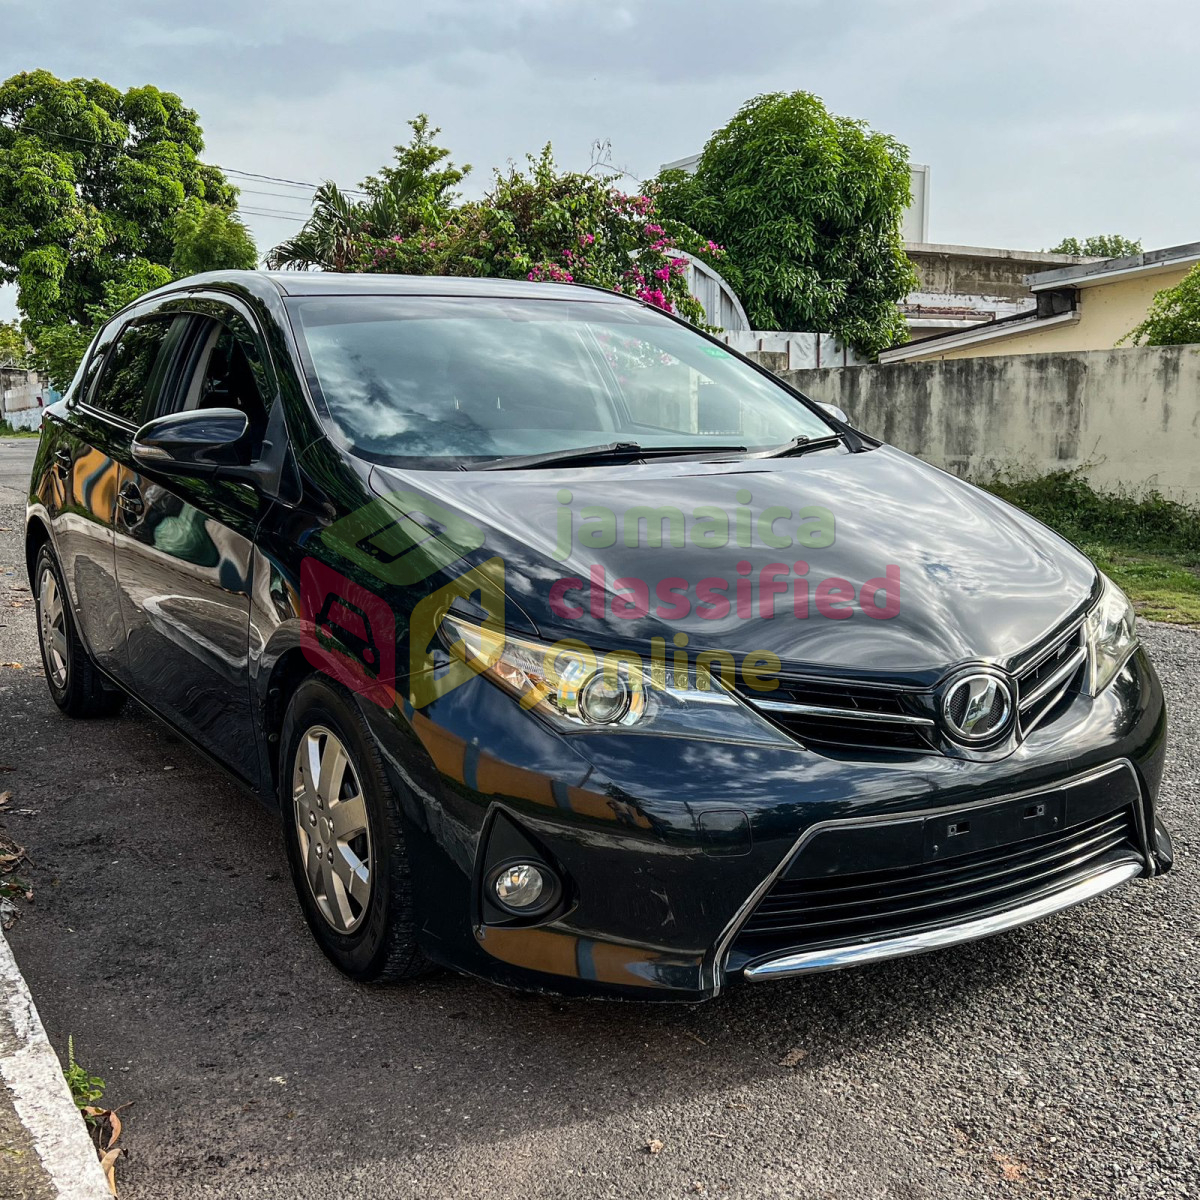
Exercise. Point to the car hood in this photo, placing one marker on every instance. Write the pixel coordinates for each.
(978, 579)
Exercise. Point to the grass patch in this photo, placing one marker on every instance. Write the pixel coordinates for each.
(6, 430)
(1149, 545)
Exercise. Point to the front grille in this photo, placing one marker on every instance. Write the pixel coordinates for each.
(842, 714)
(1052, 677)
(822, 910)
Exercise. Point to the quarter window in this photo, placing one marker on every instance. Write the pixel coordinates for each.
(129, 369)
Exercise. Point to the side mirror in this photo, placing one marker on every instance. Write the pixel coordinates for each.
(194, 444)
(834, 411)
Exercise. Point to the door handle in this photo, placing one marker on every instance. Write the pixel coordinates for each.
(130, 502)
(63, 459)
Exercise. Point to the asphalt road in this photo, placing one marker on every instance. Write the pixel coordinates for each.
(1058, 1060)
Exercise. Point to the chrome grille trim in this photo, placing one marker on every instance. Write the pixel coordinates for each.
(1060, 677)
(1051, 646)
(842, 714)
(901, 946)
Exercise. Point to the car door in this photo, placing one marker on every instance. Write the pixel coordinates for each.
(112, 394)
(184, 553)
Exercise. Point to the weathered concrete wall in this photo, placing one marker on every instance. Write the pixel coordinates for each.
(981, 270)
(1130, 417)
(19, 393)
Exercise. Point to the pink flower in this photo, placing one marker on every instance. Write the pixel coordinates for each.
(397, 238)
(653, 230)
(655, 297)
(586, 239)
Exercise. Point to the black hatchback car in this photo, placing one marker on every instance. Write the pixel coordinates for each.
(577, 651)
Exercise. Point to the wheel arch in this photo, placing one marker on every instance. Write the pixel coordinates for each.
(287, 673)
(37, 535)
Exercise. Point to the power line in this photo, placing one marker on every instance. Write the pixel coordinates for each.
(312, 187)
(245, 191)
(132, 151)
(268, 212)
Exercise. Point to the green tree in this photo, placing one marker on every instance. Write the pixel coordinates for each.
(14, 352)
(808, 206)
(91, 179)
(58, 349)
(418, 190)
(210, 237)
(1101, 245)
(1174, 316)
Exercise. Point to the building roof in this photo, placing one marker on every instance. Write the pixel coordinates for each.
(1149, 262)
(1074, 277)
(1023, 256)
(986, 331)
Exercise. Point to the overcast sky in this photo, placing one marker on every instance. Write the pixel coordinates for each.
(1038, 118)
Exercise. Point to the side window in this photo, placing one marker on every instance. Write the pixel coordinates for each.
(225, 378)
(129, 369)
(85, 378)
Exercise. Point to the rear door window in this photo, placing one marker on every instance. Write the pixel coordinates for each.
(131, 369)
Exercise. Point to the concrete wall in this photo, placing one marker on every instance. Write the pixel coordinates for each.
(947, 271)
(19, 393)
(791, 351)
(1129, 417)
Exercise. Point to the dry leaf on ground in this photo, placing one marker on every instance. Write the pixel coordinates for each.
(1010, 1168)
(793, 1058)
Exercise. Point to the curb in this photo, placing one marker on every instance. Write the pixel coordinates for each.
(43, 1103)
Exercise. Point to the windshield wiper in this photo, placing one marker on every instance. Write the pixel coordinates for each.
(804, 444)
(610, 452)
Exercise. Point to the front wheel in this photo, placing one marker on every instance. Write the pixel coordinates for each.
(344, 840)
(75, 683)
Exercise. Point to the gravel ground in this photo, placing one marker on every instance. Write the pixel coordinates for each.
(1061, 1060)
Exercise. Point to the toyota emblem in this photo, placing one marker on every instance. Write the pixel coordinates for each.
(978, 707)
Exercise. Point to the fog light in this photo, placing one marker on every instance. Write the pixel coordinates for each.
(520, 886)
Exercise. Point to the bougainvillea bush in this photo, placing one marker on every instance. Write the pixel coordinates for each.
(549, 226)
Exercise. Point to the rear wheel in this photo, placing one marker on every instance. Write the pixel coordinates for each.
(75, 683)
(344, 840)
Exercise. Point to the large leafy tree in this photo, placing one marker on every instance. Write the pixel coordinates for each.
(91, 180)
(14, 352)
(210, 237)
(417, 190)
(1174, 316)
(1100, 245)
(808, 206)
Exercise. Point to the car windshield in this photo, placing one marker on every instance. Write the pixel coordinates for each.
(439, 382)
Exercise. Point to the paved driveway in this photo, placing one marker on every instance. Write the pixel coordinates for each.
(1060, 1060)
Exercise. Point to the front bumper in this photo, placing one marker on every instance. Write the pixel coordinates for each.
(670, 845)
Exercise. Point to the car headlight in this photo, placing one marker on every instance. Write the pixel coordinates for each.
(574, 690)
(1110, 636)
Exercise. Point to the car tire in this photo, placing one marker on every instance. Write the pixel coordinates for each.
(75, 682)
(334, 825)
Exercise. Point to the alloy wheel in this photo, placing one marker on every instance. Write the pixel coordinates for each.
(332, 828)
(52, 625)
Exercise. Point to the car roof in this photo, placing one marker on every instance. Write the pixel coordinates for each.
(329, 283)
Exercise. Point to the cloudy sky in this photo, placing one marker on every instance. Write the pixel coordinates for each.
(1038, 118)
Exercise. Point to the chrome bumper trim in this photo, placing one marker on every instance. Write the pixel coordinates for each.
(830, 959)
